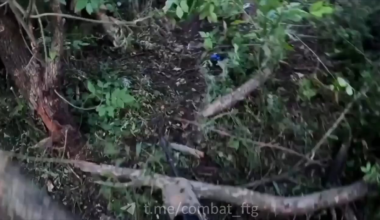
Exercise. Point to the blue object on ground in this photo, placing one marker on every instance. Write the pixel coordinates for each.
(216, 57)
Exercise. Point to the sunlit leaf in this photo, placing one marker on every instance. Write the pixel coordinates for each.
(52, 54)
(168, 5)
(80, 5)
(208, 44)
(91, 87)
(95, 5)
(318, 9)
(203, 34)
(349, 90)
(184, 6)
(179, 12)
(316, 6)
(342, 82)
(213, 17)
(89, 8)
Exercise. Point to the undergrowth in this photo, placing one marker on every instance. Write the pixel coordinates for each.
(324, 61)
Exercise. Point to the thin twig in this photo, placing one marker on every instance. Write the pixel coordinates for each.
(315, 54)
(80, 108)
(128, 23)
(278, 177)
(3, 4)
(42, 35)
(337, 122)
(17, 9)
(259, 144)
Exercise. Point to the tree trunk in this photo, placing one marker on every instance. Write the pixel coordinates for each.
(38, 81)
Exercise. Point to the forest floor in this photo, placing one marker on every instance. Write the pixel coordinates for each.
(262, 137)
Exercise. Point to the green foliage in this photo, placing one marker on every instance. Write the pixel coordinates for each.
(93, 6)
(320, 8)
(112, 99)
(372, 173)
(306, 88)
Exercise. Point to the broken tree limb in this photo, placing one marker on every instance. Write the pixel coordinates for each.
(240, 196)
(187, 150)
(239, 94)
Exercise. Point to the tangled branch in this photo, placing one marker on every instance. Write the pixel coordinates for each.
(237, 195)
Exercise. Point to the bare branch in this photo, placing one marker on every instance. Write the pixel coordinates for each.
(3, 4)
(239, 94)
(17, 10)
(29, 9)
(128, 23)
(337, 122)
(241, 196)
(187, 150)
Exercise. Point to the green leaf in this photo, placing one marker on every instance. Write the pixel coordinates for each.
(237, 22)
(316, 6)
(208, 44)
(100, 84)
(233, 143)
(251, 35)
(168, 5)
(203, 15)
(342, 82)
(95, 5)
(295, 15)
(318, 9)
(179, 12)
(80, 5)
(114, 98)
(52, 54)
(266, 50)
(89, 8)
(138, 149)
(349, 90)
(111, 111)
(127, 98)
(213, 17)
(101, 109)
(184, 6)
(203, 34)
(211, 8)
(108, 98)
(91, 87)
(110, 7)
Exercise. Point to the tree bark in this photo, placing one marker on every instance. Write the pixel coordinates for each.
(38, 81)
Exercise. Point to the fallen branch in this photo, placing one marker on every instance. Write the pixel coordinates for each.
(239, 94)
(236, 195)
(187, 150)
